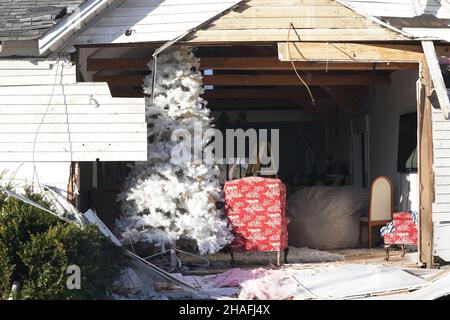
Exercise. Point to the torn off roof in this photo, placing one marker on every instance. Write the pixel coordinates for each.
(424, 19)
(29, 19)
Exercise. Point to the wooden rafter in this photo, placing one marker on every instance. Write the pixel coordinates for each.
(253, 104)
(277, 97)
(267, 94)
(260, 80)
(129, 80)
(436, 76)
(426, 175)
(355, 52)
(292, 80)
(243, 63)
(108, 64)
(272, 63)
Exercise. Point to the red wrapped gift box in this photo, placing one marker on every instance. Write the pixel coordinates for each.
(402, 216)
(255, 207)
(401, 238)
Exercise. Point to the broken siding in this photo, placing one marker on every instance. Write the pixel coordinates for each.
(401, 8)
(23, 174)
(441, 205)
(151, 21)
(314, 20)
(46, 116)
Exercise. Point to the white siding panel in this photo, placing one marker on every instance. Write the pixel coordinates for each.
(47, 90)
(442, 162)
(92, 99)
(441, 153)
(32, 64)
(71, 147)
(71, 156)
(441, 205)
(152, 20)
(74, 128)
(441, 134)
(441, 245)
(441, 208)
(15, 73)
(441, 181)
(71, 118)
(442, 198)
(70, 109)
(33, 80)
(442, 171)
(22, 174)
(85, 137)
(45, 116)
(444, 189)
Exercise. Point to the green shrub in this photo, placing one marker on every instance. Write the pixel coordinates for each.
(6, 271)
(36, 249)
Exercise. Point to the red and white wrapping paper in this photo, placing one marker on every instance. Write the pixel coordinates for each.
(405, 230)
(255, 207)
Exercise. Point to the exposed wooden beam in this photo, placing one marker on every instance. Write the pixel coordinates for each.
(127, 91)
(260, 80)
(272, 63)
(436, 76)
(110, 64)
(267, 94)
(232, 96)
(426, 176)
(355, 52)
(120, 80)
(243, 63)
(292, 80)
(252, 104)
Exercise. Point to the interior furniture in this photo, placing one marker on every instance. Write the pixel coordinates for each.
(255, 208)
(405, 233)
(381, 205)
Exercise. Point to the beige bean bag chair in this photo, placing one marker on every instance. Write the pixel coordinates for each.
(326, 217)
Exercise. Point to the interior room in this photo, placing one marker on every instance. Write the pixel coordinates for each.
(352, 123)
(349, 136)
(333, 147)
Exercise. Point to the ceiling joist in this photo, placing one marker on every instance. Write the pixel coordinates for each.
(243, 63)
(266, 94)
(355, 52)
(293, 80)
(260, 80)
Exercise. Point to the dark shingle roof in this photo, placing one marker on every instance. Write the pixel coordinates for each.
(29, 19)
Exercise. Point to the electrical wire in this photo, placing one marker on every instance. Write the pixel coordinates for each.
(291, 26)
(35, 171)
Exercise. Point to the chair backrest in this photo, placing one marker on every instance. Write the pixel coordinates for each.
(381, 202)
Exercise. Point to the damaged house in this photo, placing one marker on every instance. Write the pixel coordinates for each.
(356, 90)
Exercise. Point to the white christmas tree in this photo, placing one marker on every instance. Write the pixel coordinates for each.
(166, 197)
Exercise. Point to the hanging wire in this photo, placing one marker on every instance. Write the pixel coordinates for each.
(291, 26)
(35, 171)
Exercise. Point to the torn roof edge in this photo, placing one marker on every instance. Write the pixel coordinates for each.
(376, 20)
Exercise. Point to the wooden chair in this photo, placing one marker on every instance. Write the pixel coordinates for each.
(381, 205)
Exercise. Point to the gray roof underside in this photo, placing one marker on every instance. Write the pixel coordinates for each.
(29, 19)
